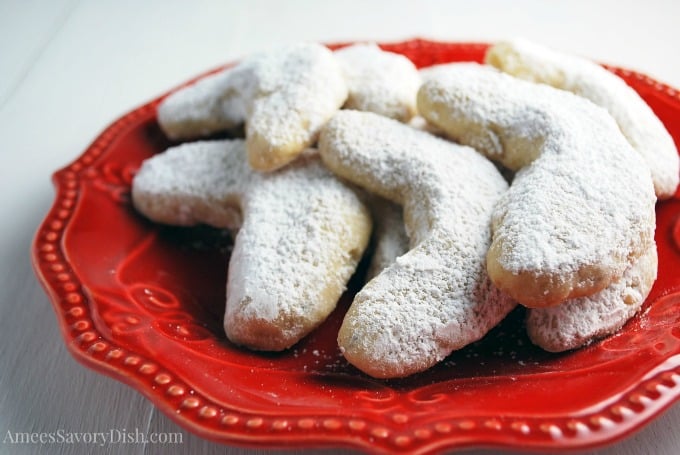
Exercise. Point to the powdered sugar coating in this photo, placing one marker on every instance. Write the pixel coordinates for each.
(284, 96)
(437, 297)
(569, 325)
(581, 207)
(637, 121)
(212, 104)
(389, 235)
(577, 322)
(301, 237)
(378, 81)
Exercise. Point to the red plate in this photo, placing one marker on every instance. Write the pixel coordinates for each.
(143, 303)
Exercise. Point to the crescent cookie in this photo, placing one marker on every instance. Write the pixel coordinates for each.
(578, 322)
(301, 233)
(284, 96)
(580, 209)
(378, 81)
(437, 297)
(637, 121)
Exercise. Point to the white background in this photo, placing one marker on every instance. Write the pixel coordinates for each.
(68, 68)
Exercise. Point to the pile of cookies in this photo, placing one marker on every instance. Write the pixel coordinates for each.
(529, 180)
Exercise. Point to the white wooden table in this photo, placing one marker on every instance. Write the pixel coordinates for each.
(68, 68)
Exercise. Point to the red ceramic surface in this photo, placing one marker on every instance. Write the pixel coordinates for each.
(143, 303)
